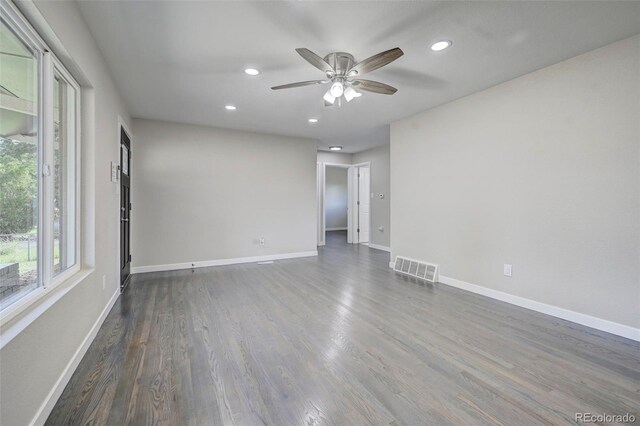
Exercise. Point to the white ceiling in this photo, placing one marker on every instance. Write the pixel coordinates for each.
(183, 61)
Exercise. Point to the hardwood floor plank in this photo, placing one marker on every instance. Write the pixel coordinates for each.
(338, 339)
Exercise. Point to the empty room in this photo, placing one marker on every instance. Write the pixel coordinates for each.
(319, 212)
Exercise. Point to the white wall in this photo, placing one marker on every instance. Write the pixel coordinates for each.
(337, 197)
(334, 157)
(36, 359)
(380, 184)
(542, 172)
(202, 194)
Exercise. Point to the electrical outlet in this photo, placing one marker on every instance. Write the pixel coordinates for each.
(262, 242)
(507, 270)
(104, 282)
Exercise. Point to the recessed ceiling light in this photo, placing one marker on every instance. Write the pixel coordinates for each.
(313, 120)
(252, 71)
(441, 45)
(335, 148)
(230, 107)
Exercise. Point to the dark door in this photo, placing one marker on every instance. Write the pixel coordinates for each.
(125, 208)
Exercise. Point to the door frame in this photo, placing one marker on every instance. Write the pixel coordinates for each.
(122, 125)
(352, 235)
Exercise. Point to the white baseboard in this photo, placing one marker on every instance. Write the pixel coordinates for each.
(220, 262)
(47, 406)
(344, 228)
(583, 319)
(379, 247)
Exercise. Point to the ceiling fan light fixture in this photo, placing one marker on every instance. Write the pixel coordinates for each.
(337, 89)
(329, 97)
(441, 45)
(349, 94)
(335, 148)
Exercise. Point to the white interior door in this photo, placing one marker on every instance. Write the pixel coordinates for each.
(320, 189)
(352, 216)
(363, 204)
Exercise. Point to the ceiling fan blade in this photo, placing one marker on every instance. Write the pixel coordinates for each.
(315, 60)
(374, 86)
(300, 84)
(376, 61)
(328, 104)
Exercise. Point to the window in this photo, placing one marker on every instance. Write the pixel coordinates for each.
(39, 127)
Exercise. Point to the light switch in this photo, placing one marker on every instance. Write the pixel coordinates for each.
(114, 172)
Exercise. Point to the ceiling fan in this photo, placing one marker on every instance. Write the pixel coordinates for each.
(344, 74)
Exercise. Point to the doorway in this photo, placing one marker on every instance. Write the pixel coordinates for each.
(336, 206)
(358, 205)
(125, 208)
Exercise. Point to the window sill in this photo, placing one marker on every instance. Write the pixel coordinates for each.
(15, 318)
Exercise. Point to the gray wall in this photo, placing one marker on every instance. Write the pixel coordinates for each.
(202, 193)
(542, 172)
(33, 361)
(380, 184)
(336, 201)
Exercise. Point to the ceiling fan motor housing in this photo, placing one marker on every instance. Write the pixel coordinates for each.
(341, 62)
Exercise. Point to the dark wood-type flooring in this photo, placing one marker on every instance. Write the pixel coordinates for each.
(338, 339)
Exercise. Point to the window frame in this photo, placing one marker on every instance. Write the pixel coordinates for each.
(48, 66)
(58, 68)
